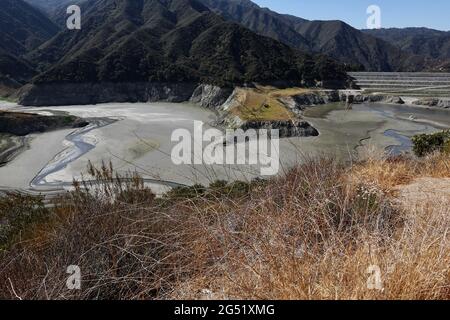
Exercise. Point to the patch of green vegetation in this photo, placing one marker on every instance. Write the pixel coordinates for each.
(19, 215)
(217, 189)
(141, 147)
(191, 192)
(69, 119)
(425, 144)
(7, 99)
(7, 141)
(261, 104)
(4, 141)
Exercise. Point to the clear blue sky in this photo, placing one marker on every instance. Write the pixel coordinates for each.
(394, 13)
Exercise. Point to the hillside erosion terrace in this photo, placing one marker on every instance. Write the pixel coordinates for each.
(415, 84)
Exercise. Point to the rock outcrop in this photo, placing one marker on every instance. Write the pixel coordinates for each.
(433, 102)
(287, 128)
(370, 98)
(209, 96)
(21, 124)
(299, 102)
(395, 100)
(93, 93)
(315, 98)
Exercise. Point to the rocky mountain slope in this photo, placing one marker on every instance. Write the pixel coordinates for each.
(55, 10)
(358, 50)
(138, 42)
(14, 72)
(334, 38)
(23, 28)
(50, 6)
(260, 20)
(431, 43)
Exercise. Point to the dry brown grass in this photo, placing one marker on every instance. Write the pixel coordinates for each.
(311, 234)
(388, 173)
(258, 105)
(263, 103)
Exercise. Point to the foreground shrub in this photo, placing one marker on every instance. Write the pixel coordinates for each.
(19, 214)
(311, 234)
(428, 143)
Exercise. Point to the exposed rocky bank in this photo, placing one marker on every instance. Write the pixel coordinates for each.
(95, 93)
(21, 124)
(433, 102)
(286, 129)
(208, 96)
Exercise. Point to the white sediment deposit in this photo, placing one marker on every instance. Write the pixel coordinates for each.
(139, 140)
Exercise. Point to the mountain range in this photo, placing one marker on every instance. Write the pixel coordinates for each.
(336, 39)
(222, 42)
(23, 28)
(165, 41)
(358, 49)
(419, 41)
(125, 42)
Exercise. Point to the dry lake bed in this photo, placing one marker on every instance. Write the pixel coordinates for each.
(136, 137)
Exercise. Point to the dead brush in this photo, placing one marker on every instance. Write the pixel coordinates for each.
(389, 172)
(311, 234)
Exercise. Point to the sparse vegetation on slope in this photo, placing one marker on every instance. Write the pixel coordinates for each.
(311, 234)
(260, 104)
(431, 43)
(23, 27)
(358, 50)
(172, 41)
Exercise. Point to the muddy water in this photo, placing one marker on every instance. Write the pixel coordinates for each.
(388, 127)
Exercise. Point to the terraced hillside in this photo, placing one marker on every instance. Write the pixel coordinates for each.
(405, 83)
